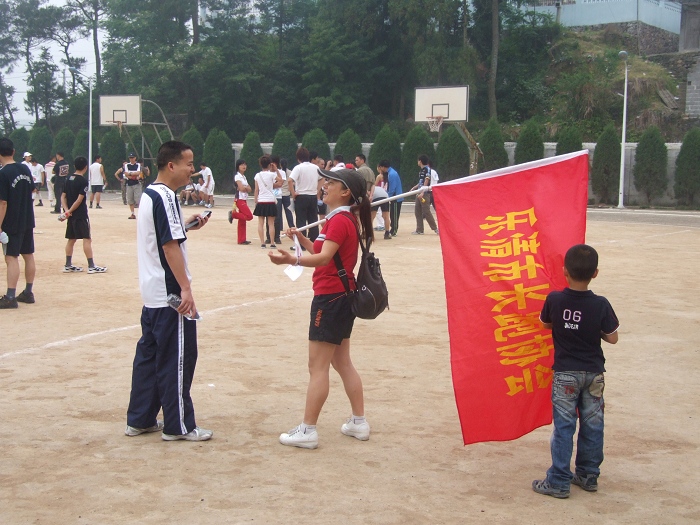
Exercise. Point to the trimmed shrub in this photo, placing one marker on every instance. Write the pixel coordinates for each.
(650, 162)
(387, 145)
(80, 146)
(156, 143)
(64, 141)
(452, 155)
(194, 138)
(40, 143)
(113, 151)
(316, 140)
(251, 151)
(530, 145)
(569, 141)
(220, 158)
(20, 138)
(605, 173)
(348, 145)
(687, 183)
(418, 142)
(491, 144)
(286, 145)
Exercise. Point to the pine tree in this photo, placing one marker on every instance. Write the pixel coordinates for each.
(113, 151)
(650, 162)
(569, 141)
(316, 140)
(530, 145)
(605, 173)
(40, 143)
(491, 144)
(418, 142)
(251, 151)
(194, 138)
(20, 138)
(348, 145)
(452, 155)
(687, 183)
(387, 146)
(286, 145)
(220, 158)
(64, 142)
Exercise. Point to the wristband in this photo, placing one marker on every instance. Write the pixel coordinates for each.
(298, 261)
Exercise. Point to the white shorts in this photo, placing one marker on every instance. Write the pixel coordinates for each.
(209, 190)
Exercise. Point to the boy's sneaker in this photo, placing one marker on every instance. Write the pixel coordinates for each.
(98, 207)
(198, 434)
(356, 430)
(72, 269)
(416, 233)
(26, 297)
(297, 438)
(543, 487)
(133, 431)
(97, 269)
(387, 235)
(379, 228)
(588, 483)
(91, 205)
(6, 302)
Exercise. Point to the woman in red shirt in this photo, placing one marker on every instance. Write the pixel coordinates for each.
(331, 321)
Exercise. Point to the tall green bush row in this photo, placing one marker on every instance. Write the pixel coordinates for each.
(113, 151)
(569, 140)
(387, 145)
(316, 140)
(80, 145)
(348, 145)
(220, 158)
(492, 146)
(251, 151)
(194, 138)
(40, 143)
(418, 142)
(64, 141)
(687, 182)
(452, 155)
(20, 139)
(605, 173)
(650, 168)
(530, 145)
(286, 145)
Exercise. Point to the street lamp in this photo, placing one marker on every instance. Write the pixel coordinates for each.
(76, 71)
(620, 204)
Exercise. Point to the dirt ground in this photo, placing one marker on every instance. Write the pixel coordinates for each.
(65, 368)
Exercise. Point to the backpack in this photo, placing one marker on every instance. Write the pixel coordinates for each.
(371, 297)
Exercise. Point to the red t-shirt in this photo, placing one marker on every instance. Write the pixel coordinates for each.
(342, 230)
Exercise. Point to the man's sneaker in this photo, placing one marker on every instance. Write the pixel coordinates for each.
(230, 216)
(40, 204)
(98, 207)
(198, 434)
(72, 269)
(91, 205)
(297, 438)
(356, 430)
(387, 235)
(6, 302)
(208, 205)
(25, 297)
(133, 431)
(543, 487)
(379, 228)
(416, 233)
(201, 203)
(132, 216)
(588, 483)
(97, 269)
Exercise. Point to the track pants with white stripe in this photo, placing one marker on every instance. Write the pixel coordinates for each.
(166, 356)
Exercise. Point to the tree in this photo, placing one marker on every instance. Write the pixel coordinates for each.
(220, 158)
(650, 164)
(44, 94)
(605, 173)
(80, 146)
(40, 144)
(252, 150)
(194, 138)
(348, 145)
(530, 145)
(20, 138)
(92, 11)
(387, 146)
(418, 142)
(113, 151)
(64, 142)
(286, 145)
(491, 144)
(687, 183)
(452, 155)
(569, 140)
(316, 140)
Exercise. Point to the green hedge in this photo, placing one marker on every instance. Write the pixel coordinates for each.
(113, 151)
(387, 146)
(286, 145)
(605, 172)
(418, 142)
(20, 138)
(650, 167)
(569, 140)
(64, 141)
(220, 158)
(40, 143)
(252, 151)
(348, 145)
(452, 155)
(316, 140)
(194, 138)
(687, 183)
(530, 145)
(492, 146)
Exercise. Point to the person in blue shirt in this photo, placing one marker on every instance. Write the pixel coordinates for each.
(394, 188)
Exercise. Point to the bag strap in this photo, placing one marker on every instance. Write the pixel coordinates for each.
(342, 274)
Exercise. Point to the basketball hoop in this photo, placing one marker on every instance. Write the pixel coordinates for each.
(118, 123)
(434, 123)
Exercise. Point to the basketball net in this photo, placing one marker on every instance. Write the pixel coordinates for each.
(434, 123)
(119, 125)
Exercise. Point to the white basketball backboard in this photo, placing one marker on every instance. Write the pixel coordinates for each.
(124, 109)
(450, 103)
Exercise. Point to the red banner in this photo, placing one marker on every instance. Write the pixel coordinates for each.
(504, 235)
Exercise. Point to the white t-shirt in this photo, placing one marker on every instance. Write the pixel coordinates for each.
(278, 191)
(208, 178)
(36, 172)
(265, 181)
(240, 177)
(159, 212)
(305, 177)
(434, 177)
(338, 167)
(96, 174)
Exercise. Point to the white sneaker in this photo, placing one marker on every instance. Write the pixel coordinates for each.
(97, 269)
(207, 205)
(133, 431)
(198, 434)
(297, 438)
(72, 269)
(356, 430)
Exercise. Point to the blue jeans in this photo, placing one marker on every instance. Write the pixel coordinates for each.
(576, 396)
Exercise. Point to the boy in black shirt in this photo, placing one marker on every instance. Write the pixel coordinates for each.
(78, 225)
(579, 319)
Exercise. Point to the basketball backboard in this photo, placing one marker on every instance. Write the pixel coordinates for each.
(450, 103)
(122, 110)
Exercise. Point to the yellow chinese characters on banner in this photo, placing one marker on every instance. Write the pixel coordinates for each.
(509, 256)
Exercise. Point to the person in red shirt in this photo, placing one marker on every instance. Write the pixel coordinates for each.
(331, 320)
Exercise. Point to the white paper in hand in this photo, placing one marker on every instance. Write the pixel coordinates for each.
(293, 271)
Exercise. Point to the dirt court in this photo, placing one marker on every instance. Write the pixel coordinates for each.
(65, 369)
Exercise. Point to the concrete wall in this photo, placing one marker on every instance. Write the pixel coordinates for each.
(690, 28)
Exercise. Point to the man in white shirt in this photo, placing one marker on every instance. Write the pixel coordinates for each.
(38, 175)
(98, 181)
(207, 189)
(338, 163)
(304, 185)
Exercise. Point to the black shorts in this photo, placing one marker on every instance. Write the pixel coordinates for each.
(77, 228)
(96, 188)
(384, 207)
(331, 318)
(322, 208)
(20, 243)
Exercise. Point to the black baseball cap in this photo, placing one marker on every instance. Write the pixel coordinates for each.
(132, 155)
(351, 179)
